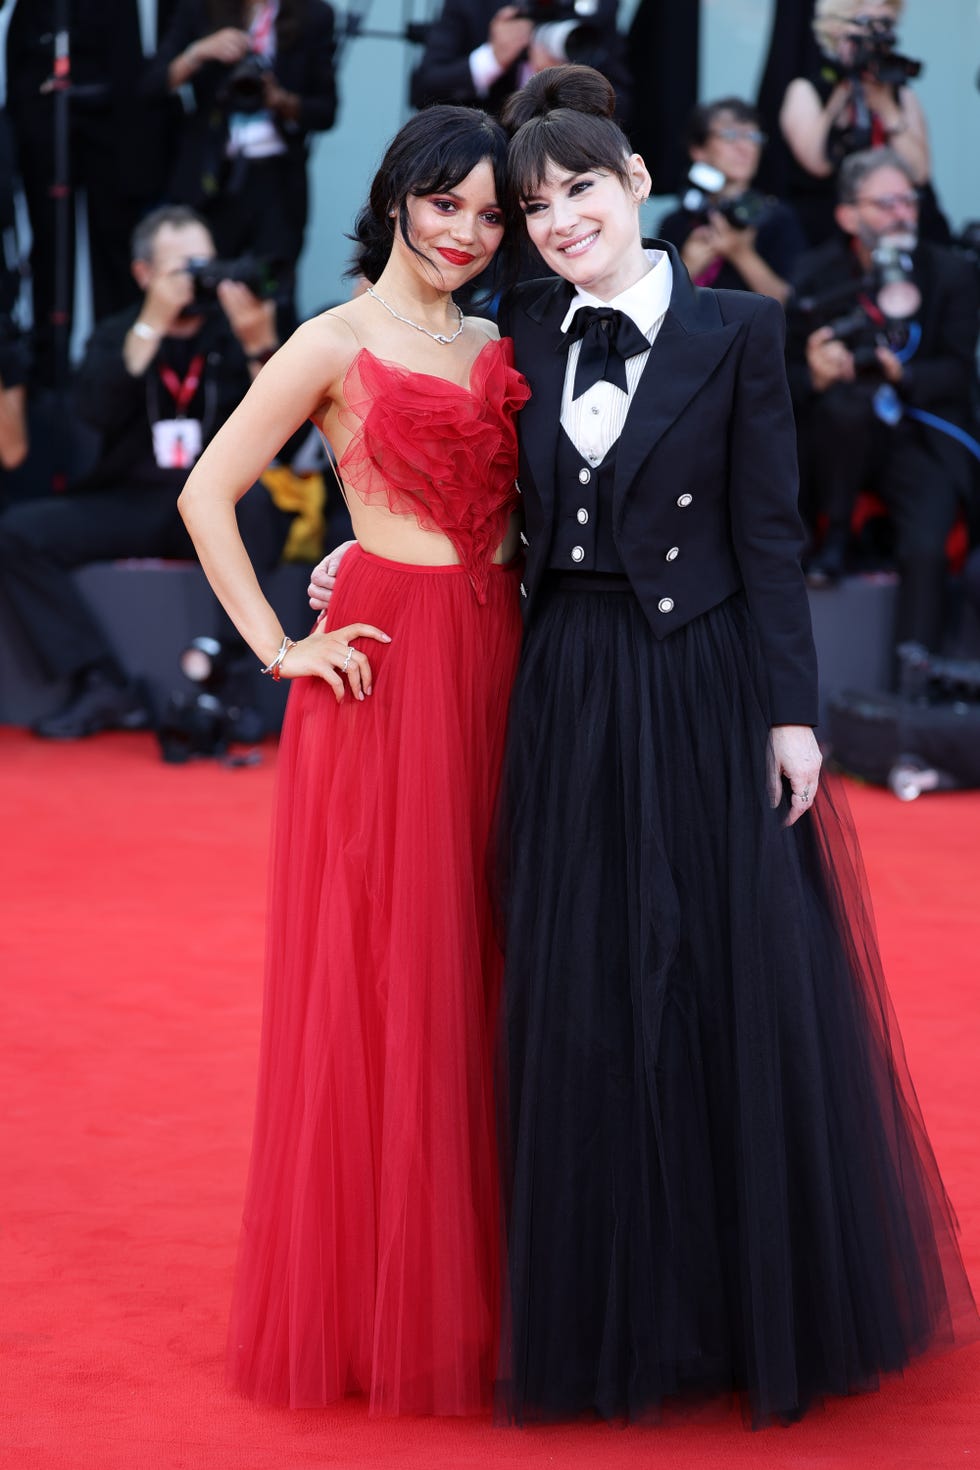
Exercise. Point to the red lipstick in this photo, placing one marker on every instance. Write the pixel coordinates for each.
(455, 257)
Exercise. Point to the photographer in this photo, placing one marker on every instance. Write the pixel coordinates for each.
(844, 347)
(157, 382)
(860, 99)
(262, 75)
(477, 53)
(729, 235)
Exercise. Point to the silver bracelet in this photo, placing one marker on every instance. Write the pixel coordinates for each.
(275, 666)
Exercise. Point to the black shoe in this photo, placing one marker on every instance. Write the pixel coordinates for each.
(98, 705)
(826, 568)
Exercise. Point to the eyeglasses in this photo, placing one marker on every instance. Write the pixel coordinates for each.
(890, 201)
(739, 135)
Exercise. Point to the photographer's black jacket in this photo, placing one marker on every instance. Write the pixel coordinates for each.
(941, 374)
(443, 74)
(122, 408)
(303, 64)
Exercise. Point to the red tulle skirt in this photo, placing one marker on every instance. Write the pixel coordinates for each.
(369, 1255)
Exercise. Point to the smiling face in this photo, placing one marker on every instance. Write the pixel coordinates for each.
(586, 226)
(458, 231)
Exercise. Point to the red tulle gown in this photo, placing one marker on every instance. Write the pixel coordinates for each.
(369, 1256)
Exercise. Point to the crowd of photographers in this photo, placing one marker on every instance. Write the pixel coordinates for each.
(190, 297)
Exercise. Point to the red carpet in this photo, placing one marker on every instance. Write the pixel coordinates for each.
(130, 949)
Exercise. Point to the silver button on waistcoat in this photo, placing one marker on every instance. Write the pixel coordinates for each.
(665, 605)
(684, 500)
(584, 476)
(582, 516)
(673, 553)
(578, 553)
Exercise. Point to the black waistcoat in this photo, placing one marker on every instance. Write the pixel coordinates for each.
(583, 538)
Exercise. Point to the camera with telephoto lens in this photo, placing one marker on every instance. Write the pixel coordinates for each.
(244, 89)
(874, 53)
(892, 296)
(568, 30)
(746, 211)
(259, 275)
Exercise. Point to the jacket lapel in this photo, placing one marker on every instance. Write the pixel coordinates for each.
(544, 367)
(689, 346)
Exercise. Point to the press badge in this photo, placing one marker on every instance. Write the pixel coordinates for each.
(176, 443)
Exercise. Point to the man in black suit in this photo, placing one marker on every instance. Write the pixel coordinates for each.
(919, 472)
(477, 54)
(157, 383)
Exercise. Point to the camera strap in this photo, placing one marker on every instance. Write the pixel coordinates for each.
(182, 390)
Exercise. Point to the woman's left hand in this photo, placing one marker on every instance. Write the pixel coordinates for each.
(795, 755)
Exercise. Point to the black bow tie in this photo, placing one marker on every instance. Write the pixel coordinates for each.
(608, 338)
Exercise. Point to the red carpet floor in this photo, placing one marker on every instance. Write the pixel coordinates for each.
(133, 905)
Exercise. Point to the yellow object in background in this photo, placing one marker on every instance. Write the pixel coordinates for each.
(305, 496)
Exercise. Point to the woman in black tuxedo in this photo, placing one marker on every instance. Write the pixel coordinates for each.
(715, 1171)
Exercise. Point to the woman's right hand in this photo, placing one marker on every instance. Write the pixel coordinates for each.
(332, 657)
(324, 575)
(229, 46)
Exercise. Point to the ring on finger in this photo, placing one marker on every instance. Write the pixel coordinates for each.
(346, 663)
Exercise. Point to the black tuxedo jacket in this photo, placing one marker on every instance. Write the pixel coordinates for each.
(706, 463)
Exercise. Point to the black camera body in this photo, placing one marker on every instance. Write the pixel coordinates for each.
(863, 336)
(875, 55)
(258, 275)
(194, 725)
(745, 211)
(244, 88)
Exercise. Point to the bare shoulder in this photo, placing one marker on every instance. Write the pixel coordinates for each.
(315, 358)
(484, 326)
(800, 98)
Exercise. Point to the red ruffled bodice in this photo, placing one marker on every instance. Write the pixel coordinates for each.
(445, 454)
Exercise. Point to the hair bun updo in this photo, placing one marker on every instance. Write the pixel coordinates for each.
(573, 88)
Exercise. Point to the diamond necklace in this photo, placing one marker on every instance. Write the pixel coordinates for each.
(436, 336)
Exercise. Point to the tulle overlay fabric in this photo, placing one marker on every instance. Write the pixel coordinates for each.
(369, 1256)
(717, 1179)
(421, 444)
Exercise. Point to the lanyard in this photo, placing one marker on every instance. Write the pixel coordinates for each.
(183, 392)
(261, 29)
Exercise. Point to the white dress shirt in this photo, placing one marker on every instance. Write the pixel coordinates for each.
(595, 421)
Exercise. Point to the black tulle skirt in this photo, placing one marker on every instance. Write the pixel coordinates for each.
(716, 1176)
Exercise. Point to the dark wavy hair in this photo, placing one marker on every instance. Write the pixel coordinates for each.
(432, 153)
(563, 118)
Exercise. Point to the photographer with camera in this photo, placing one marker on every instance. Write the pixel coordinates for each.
(860, 99)
(883, 326)
(157, 382)
(262, 75)
(729, 235)
(477, 53)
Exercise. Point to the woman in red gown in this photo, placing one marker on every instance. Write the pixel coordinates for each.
(369, 1251)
